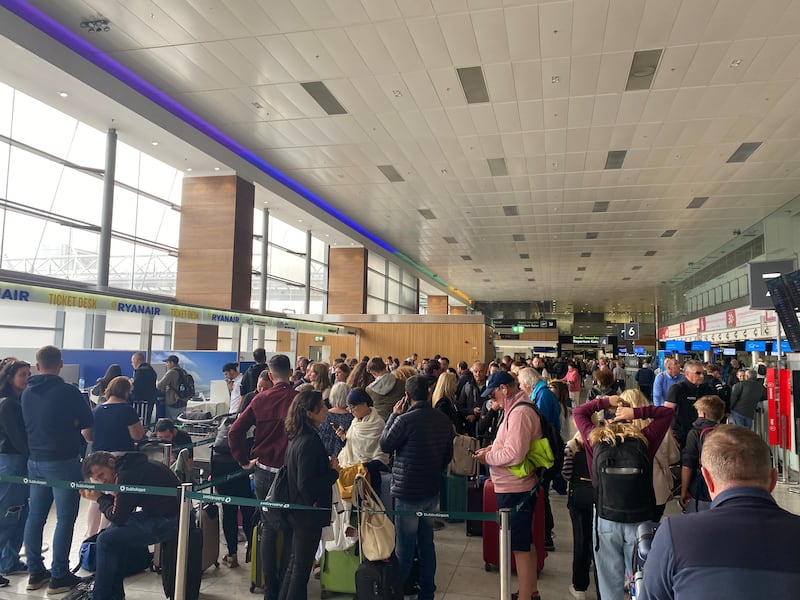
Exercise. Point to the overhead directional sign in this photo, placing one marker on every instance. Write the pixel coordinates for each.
(631, 332)
(621, 333)
(603, 341)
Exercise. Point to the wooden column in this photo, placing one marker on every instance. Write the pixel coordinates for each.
(347, 281)
(215, 252)
(437, 305)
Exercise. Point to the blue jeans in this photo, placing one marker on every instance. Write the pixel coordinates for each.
(13, 511)
(417, 533)
(739, 419)
(613, 559)
(67, 501)
(114, 543)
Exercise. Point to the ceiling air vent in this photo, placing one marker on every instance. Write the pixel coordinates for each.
(643, 69)
(320, 92)
(391, 173)
(473, 84)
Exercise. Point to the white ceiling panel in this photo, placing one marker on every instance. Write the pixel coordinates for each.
(556, 73)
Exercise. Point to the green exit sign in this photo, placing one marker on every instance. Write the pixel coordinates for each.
(319, 338)
(517, 329)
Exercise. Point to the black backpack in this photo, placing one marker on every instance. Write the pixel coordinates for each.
(185, 385)
(581, 493)
(622, 474)
(700, 486)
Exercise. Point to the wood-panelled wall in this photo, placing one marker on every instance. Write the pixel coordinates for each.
(347, 281)
(458, 310)
(539, 336)
(458, 341)
(437, 305)
(215, 252)
(216, 242)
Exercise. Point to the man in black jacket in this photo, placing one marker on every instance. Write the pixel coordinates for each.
(682, 396)
(250, 377)
(421, 439)
(156, 522)
(144, 386)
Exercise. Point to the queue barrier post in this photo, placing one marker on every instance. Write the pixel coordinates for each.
(505, 555)
(184, 524)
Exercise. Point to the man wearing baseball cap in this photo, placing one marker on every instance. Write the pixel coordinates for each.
(510, 446)
(168, 386)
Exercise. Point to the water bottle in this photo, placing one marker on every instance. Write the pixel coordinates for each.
(81, 384)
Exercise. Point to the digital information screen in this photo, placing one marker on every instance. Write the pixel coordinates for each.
(785, 309)
(755, 346)
(675, 346)
(700, 346)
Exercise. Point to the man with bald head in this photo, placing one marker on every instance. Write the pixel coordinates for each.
(744, 547)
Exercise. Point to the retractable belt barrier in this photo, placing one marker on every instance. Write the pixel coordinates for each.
(186, 494)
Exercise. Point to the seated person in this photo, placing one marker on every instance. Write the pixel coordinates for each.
(167, 432)
(156, 522)
(745, 546)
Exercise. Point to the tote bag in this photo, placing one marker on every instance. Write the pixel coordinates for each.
(376, 529)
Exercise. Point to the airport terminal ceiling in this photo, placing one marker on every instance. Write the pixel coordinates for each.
(577, 152)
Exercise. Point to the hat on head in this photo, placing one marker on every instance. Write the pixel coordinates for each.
(230, 367)
(495, 380)
(358, 396)
(172, 358)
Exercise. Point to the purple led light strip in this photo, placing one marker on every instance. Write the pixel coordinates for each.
(77, 44)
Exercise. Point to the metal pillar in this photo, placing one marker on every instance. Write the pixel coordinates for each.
(104, 251)
(505, 555)
(262, 301)
(307, 298)
(183, 543)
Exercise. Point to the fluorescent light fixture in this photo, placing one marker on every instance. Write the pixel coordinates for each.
(600, 207)
(391, 173)
(427, 213)
(323, 96)
(643, 69)
(743, 152)
(497, 167)
(615, 159)
(591, 235)
(473, 84)
(697, 202)
(669, 233)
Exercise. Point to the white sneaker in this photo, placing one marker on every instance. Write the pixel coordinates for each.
(577, 593)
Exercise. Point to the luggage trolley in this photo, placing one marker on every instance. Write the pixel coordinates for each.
(199, 430)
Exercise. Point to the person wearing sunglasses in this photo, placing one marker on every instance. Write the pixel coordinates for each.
(682, 396)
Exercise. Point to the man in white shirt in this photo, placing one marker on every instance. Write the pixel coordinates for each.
(234, 380)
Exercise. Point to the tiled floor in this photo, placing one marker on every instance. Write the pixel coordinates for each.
(460, 571)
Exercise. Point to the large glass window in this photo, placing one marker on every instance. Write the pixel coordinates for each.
(390, 290)
(52, 193)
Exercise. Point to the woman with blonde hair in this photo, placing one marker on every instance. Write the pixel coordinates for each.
(444, 399)
(667, 453)
(614, 540)
(318, 374)
(404, 372)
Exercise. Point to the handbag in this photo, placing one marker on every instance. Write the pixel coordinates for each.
(334, 536)
(347, 476)
(376, 530)
(278, 493)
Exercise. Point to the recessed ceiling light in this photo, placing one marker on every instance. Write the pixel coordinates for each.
(299, 220)
(189, 169)
(736, 63)
(555, 79)
(327, 235)
(257, 104)
(154, 143)
(216, 168)
(63, 94)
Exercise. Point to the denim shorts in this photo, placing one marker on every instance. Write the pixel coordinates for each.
(521, 522)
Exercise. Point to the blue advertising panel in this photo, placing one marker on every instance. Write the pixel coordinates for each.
(94, 363)
(700, 346)
(639, 350)
(675, 346)
(204, 365)
(755, 346)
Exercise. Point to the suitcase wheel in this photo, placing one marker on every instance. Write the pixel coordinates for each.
(487, 567)
(252, 588)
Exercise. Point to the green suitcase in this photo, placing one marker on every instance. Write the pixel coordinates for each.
(453, 495)
(337, 572)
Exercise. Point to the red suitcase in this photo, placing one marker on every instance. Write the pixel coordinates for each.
(491, 531)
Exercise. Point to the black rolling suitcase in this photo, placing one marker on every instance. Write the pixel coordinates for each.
(475, 504)
(194, 568)
(379, 580)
